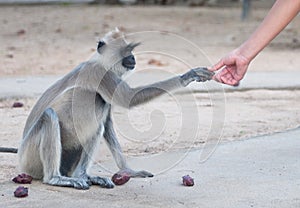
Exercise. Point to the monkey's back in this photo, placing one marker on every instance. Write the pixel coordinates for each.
(50, 95)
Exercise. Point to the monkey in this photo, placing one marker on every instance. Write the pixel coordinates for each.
(69, 119)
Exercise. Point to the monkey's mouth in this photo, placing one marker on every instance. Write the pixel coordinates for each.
(130, 67)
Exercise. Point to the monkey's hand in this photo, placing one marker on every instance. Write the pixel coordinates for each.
(135, 174)
(200, 74)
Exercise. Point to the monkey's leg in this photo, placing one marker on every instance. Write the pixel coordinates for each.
(81, 168)
(50, 152)
(115, 148)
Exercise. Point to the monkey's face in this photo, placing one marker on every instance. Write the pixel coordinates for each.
(116, 53)
(129, 62)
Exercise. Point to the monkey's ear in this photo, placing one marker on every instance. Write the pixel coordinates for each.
(131, 46)
(135, 45)
(100, 46)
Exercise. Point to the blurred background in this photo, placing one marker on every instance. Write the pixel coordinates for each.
(56, 35)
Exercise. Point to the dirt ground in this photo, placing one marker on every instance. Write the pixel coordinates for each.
(51, 40)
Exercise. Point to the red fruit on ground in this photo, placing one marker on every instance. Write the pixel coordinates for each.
(22, 178)
(21, 191)
(17, 105)
(187, 180)
(120, 178)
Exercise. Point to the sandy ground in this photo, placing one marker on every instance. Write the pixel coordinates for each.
(51, 40)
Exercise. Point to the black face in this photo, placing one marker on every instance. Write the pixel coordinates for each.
(129, 62)
(100, 46)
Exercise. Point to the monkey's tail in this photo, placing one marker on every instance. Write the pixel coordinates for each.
(8, 149)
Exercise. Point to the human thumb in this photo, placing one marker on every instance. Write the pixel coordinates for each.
(217, 66)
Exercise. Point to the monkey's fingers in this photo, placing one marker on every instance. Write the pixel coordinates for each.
(204, 74)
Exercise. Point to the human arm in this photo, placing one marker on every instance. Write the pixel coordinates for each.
(236, 63)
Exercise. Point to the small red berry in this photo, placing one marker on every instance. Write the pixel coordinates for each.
(22, 178)
(187, 180)
(21, 191)
(120, 178)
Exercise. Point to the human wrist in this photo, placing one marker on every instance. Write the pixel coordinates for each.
(245, 53)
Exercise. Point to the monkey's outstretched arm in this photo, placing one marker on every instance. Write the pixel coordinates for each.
(115, 90)
(144, 94)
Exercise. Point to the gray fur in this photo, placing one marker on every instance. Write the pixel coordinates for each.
(64, 127)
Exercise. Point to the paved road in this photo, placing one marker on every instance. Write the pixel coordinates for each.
(258, 172)
(35, 86)
(262, 172)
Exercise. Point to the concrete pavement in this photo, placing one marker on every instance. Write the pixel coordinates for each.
(35, 86)
(262, 172)
(258, 172)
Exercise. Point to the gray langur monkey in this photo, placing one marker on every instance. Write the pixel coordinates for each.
(68, 120)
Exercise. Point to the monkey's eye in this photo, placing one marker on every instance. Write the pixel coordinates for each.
(100, 44)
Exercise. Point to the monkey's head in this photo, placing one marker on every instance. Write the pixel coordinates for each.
(116, 53)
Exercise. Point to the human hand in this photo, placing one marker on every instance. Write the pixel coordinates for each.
(233, 68)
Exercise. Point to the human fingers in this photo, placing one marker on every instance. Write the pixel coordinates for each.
(230, 81)
(219, 75)
(217, 66)
(226, 77)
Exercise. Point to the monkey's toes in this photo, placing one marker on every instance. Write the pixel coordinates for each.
(104, 183)
(77, 183)
(109, 184)
(81, 185)
(145, 174)
(142, 174)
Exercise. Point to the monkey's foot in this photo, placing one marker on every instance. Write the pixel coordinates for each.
(135, 174)
(77, 183)
(103, 182)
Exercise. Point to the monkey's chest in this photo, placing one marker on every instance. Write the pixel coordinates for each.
(85, 122)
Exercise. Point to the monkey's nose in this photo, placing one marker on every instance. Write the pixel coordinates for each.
(129, 62)
(131, 59)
